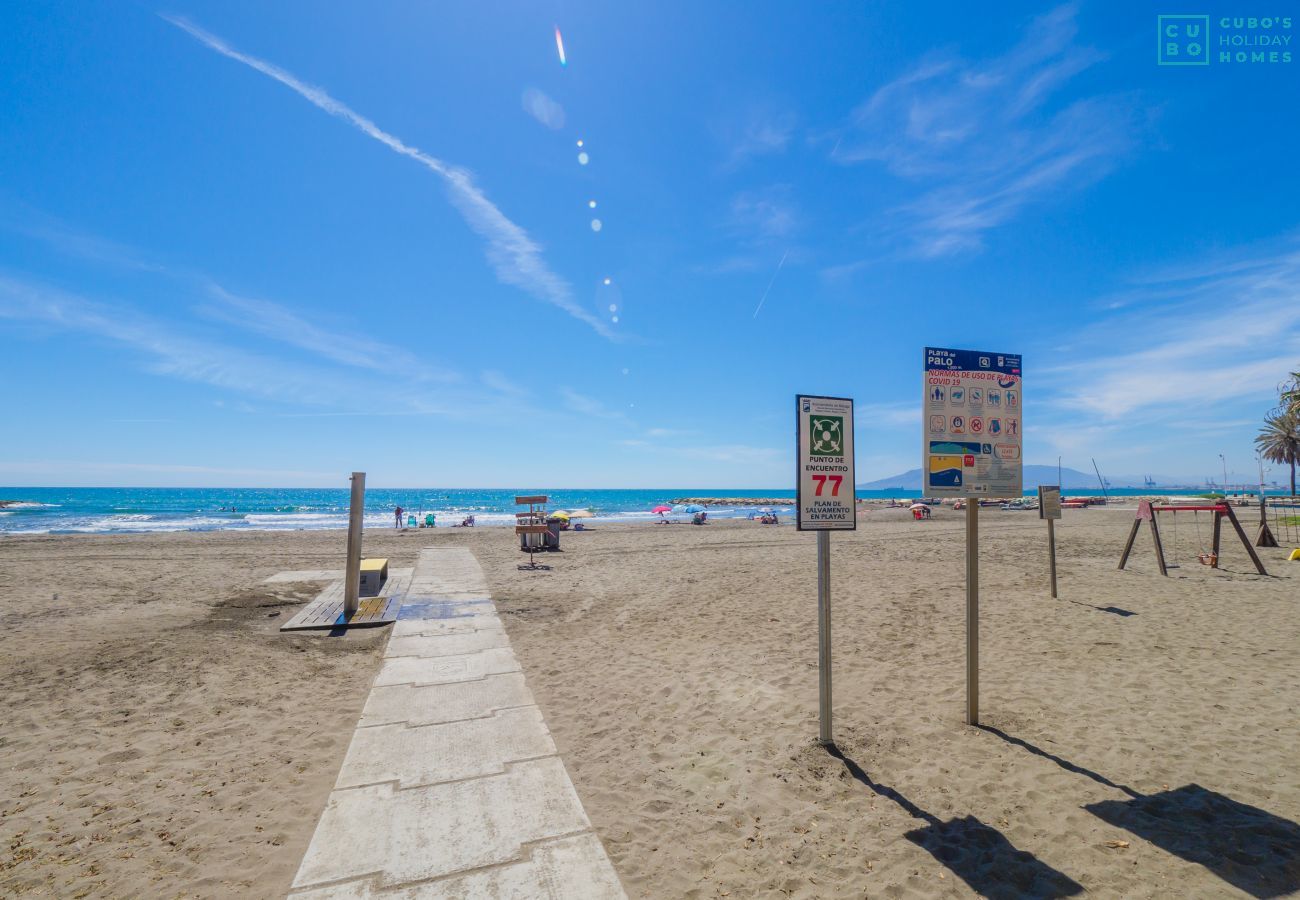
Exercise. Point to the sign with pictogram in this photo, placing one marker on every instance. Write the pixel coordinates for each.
(979, 396)
(825, 457)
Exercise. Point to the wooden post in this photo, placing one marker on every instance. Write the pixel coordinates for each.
(1264, 538)
(1245, 542)
(1160, 550)
(1218, 533)
(1051, 552)
(1132, 536)
(352, 575)
(1145, 511)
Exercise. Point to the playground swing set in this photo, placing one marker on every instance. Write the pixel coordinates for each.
(1147, 512)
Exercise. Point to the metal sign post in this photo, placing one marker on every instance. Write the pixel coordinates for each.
(352, 579)
(972, 611)
(1049, 508)
(827, 501)
(824, 637)
(972, 426)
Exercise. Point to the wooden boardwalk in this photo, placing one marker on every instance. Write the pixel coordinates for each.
(326, 611)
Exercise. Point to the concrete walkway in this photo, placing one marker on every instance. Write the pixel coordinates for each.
(452, 786)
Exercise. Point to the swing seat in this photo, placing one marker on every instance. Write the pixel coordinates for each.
(1295, 556)
(1208, 559)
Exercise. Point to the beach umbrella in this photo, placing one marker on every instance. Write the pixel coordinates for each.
(918, 506)
(694, 508)
(582, 514)
(560, 514)
(662, 508)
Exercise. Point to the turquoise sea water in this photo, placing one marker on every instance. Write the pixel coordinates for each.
(105, 510)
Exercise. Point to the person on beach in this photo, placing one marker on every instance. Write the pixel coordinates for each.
(397, 516)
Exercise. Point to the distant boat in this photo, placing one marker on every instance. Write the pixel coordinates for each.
(1149, 481)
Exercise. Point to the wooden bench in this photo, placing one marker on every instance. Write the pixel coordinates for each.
(374, 572)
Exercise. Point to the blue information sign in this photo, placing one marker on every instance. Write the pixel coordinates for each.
(973, 424)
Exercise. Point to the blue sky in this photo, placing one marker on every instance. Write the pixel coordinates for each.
(268, 244)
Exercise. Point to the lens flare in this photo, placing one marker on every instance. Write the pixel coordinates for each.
(596, 225)
(579, 142)
(583, 158)
(591, 204)
(559, 46)
(608, 281)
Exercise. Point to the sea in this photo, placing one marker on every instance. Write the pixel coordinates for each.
(54, 510)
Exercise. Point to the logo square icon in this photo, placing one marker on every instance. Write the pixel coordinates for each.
(1182, 40)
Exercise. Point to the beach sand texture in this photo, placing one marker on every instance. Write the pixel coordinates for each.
(156, 720)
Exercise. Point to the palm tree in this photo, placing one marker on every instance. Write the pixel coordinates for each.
(1279, 440)
(1291, 393)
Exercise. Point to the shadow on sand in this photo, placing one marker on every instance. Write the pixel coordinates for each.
(1113, 610)
(976, 853)
(1251, 849)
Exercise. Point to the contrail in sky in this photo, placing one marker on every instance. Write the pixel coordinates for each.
(770, 283)
(514, 256)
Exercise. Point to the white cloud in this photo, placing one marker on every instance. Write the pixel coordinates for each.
(588, 406)
(1232, 333)
(542, 108)
(351, 348)
(71, 242)
(982, 139)
(762, 134)
(765, 213)
(514, 256)
(498, 381)
(167, 350)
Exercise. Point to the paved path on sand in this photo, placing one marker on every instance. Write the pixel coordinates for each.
(452, 786)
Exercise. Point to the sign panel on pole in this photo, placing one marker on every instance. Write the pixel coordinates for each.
(1049, 501)
(973, 424)
(825, 459)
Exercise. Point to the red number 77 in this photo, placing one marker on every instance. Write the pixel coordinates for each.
(835, 480)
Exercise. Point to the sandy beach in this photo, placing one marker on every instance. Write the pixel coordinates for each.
(162, 738)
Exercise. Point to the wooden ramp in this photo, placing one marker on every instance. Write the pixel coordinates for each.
(326, 611)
